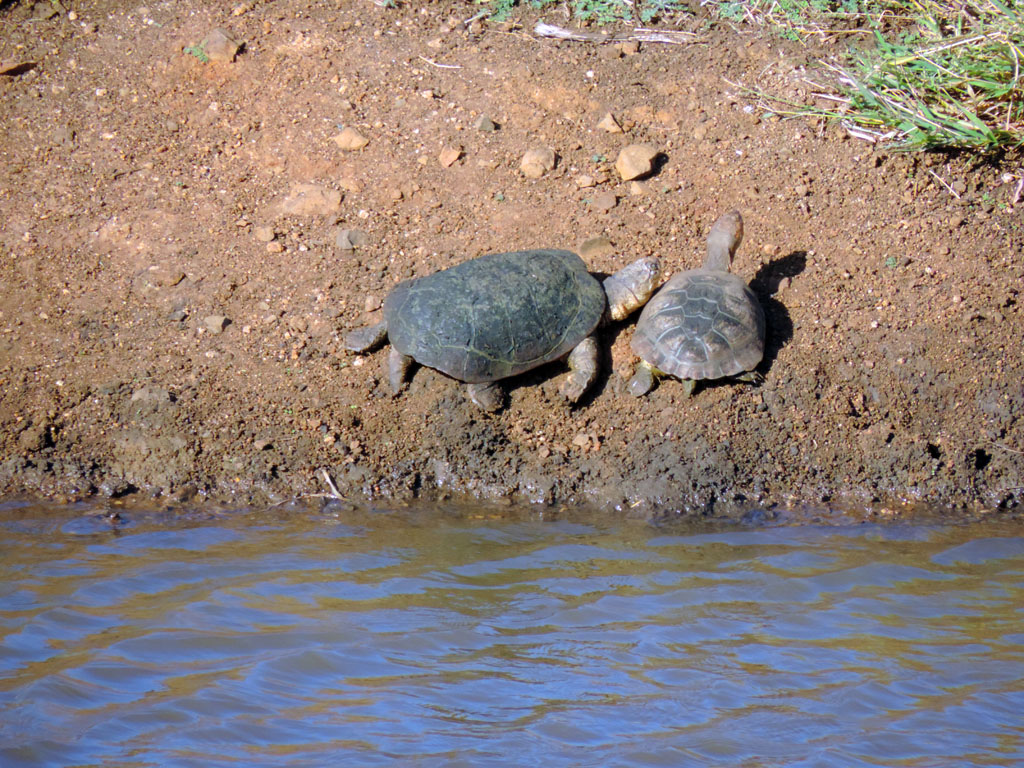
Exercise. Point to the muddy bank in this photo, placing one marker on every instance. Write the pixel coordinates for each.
(186, 242)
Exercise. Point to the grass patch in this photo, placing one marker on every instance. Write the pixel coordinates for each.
(938, 74)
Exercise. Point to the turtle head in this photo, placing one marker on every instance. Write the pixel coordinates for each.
(723, 241)
(631, 287)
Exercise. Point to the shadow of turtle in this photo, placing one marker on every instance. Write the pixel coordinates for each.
(765, 285)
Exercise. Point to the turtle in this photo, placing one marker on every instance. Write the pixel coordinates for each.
(501, 314)
(703, 323)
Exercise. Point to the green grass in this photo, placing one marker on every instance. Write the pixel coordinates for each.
(948, 77)
(936, 74)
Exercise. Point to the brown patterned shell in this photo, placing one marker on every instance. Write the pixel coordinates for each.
(702, 324)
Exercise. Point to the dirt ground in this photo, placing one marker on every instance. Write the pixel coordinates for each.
(173, 303)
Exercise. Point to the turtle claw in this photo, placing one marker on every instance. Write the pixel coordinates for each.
(571, 389)
(583, 370)
(751, 377)
(642, 381)
(488, 396)
(398, 369)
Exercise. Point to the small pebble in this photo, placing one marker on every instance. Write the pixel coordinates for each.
(536, 162)
(350, 239)
(610, 124)
(596, 248)
(449, 155)
(350, 140)
(635, 161)
(215, 323)
(218, 46)
(603, 201)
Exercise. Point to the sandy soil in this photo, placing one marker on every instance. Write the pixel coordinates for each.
(173, 311)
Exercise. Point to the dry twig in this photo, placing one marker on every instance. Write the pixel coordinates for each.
(640, 35)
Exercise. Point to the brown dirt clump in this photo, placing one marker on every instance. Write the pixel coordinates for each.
(185, 243)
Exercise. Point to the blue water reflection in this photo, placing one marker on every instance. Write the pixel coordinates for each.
(440, 640)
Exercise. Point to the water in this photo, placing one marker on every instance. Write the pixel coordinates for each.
(434, 639)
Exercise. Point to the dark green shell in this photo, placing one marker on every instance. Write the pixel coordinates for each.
(702, 324)
(496, 315)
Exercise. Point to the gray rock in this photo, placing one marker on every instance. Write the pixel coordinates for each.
(350, 239)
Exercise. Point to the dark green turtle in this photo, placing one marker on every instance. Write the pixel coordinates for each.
(502, 314)
(704, 323)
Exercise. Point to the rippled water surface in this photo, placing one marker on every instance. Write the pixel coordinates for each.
(436, 639)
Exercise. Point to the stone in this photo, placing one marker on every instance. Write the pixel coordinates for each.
(610, 124)
(584, 181)
(604, 201)
(449, 156)
(350, 140)
(350, 239)
(485, 124)
(150, 393)
(596, 247)
(311, 200)
(537, 162)
(636, 161)
(215, 324)
(34, 437)
(265, 234)
(219, 46)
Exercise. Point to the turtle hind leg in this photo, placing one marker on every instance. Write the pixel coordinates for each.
(643, 379)
(582, 370)
(366, 338)
(489, 395)
(398, 369)
(689, 385)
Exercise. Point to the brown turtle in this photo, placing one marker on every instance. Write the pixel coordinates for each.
(703, 323)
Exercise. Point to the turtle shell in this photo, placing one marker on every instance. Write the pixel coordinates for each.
(702, 324)
(496, 315)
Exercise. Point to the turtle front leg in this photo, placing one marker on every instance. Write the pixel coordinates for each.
(366, 338)
(751, 377)
(489, 396)
(643, 379)
(582, 370)
(398, 369)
